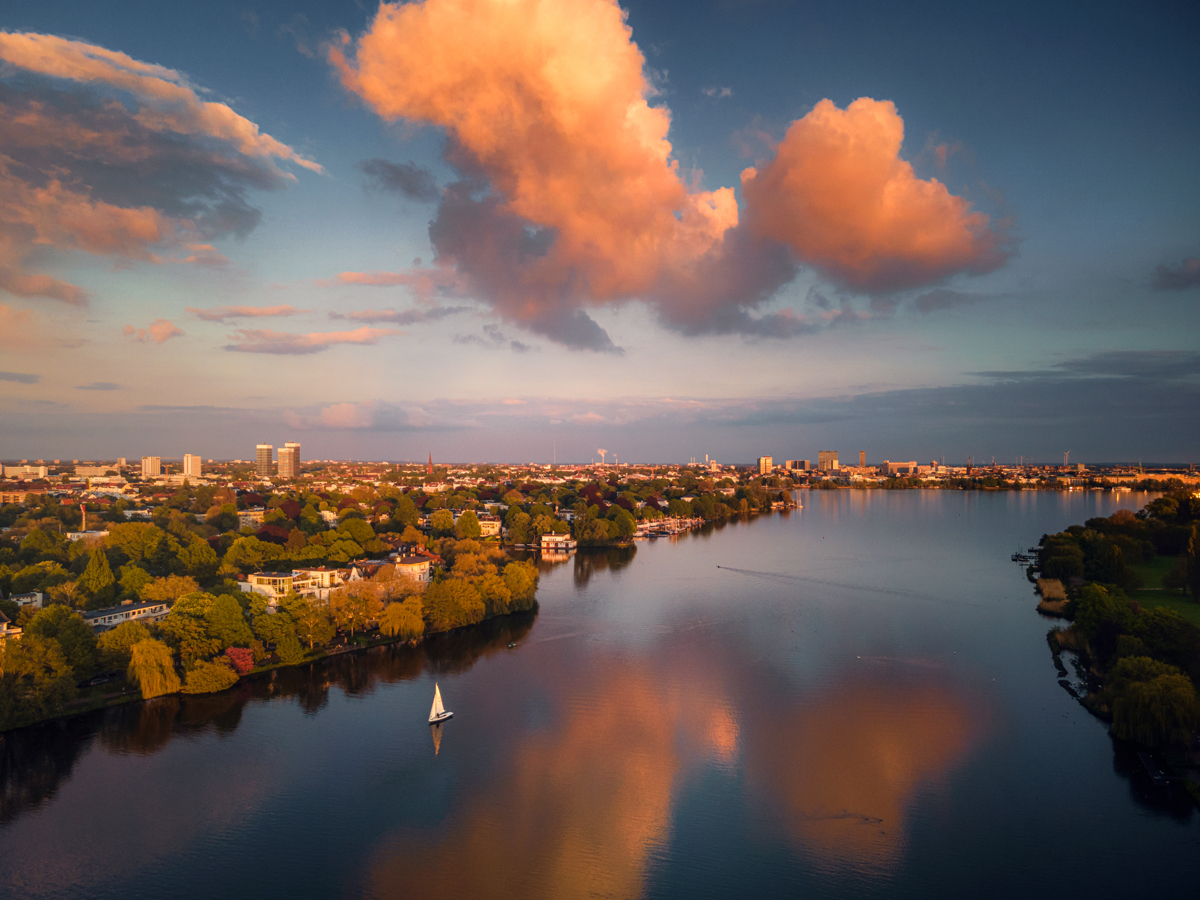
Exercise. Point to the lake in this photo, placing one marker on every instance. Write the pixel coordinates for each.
(853, 699)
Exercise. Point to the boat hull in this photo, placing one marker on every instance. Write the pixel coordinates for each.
(441, 717)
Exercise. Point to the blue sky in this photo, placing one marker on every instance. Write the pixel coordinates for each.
(219, 312)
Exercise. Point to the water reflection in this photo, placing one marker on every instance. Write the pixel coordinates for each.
(583, 805)
(593, 560)
(846, 769)
(35, 761)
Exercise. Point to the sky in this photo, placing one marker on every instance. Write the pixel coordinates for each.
(524, 230)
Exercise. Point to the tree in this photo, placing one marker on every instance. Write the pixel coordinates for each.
(521, 579)
(403, 620)
(405, 512)
(357, 530)
(169, 588)
(353, 608)
(35, 680)
(442, 522)
(97, 581)
(186, 627)
(241, 659)
(133, 579)
(412, 536)
(152, 669)
(227, 622)
(622, 526)
(496, 596)
(1154, 704)
(451, 604)
(520, 528)
(468, 526)
(208, 677)
(199, 559)
(312, 622)
(288, 649)
(1193, 563)
(116, 644)
(73, 634)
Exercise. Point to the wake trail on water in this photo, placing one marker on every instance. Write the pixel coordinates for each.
(894, 592)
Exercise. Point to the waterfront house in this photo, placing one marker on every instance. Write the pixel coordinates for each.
(416, 568)
(112, 616)
(558, 543)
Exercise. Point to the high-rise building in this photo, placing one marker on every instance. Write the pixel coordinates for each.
(264, 460)
(827, 460)
(289, 460)
(151, 466)
(862, 459)
(765, 465)
(191, 465)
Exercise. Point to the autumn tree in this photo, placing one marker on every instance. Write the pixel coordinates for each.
(403, 619)
(169, 588)
(208, 677)
(354, 608)
(116, 644)
(152, 668)
(451, 604)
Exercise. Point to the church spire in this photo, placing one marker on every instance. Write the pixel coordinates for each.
(429, 465)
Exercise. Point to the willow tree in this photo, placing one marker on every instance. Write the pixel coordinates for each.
(152, 668)
(403, 620)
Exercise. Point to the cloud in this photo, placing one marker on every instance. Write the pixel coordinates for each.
(98, 386)
(1178, 278)
(413, 181)
(401, 317)
(838, 193)
(373, 415)
(221, 313)
(256, 341)
(114, 157)
(942, 298)
(717, 93)
(160, 330)
(19, 377)
(493, 338)
(426, 283)
(569, 197)
(15, 326)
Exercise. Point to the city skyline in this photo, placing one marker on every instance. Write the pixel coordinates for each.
(733, 229)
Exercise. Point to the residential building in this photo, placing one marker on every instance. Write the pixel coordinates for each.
(151, 466)
(7, 629)
(862, 459)
(33, 599)
(191, 465)
(26, 472)
(251, 517)
(264, 459)
(93, 471)
(418, 568)
(19, 496)
(827, 460)
(558, 543)
(289, 460)
(489, 525)
(112, 616)
(765, 465)
(899, 468)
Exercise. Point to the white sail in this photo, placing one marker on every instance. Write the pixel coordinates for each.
(437, 709)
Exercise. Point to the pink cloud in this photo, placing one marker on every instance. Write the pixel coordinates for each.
(278, 342)
(221, 313)
(425, 282)
(160, 330)
(838, 194)
(586, 207)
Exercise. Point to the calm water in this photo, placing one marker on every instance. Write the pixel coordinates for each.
(858, 703)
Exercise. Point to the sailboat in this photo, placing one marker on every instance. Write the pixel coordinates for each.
(438, 712)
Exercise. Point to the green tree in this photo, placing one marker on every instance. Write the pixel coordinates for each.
(152, 669)
(72, 633)
(186, 627)
(467, 526)
(442, 522)
(1154, 704)
(133, 579)
(312, 621)
(169, 588)
(199, 559)
(116, 644)
(405, 512)
(97, 581)
(35, 680)
(497, 598)
(403, 620)
(208, 677)
(227, 623)
(521, 579)
(288, 649)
